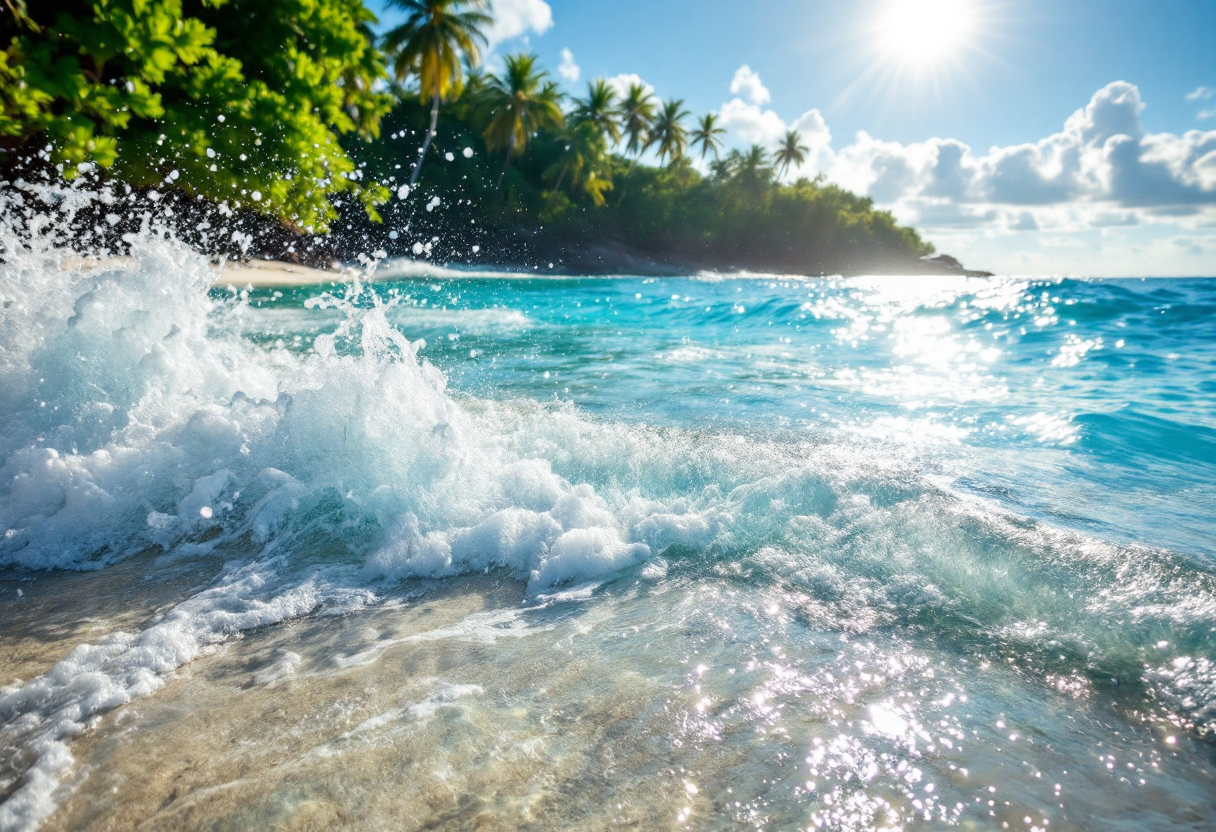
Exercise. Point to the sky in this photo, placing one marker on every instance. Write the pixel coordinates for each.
(1021, 136)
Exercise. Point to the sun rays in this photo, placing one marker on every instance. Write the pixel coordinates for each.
(920, 49)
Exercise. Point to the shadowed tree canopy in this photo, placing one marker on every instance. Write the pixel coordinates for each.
(550, 205)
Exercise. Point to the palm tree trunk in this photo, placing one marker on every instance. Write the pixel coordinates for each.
(560, 180)
(507, 162)
(426, 143)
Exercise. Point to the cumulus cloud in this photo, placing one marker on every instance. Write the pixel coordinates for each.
(568, 69)
(1029, 174)
(748, 124)
(747, 121)
(1024, 221)
(1200, 94)
(513, 18)
(1101, 161)
(1195, 245)
(747, 83)
(1114, 219)
(622, 83)
(1100, 187)
(814, 129)
(952, 170)
(751, 123)
(1114, 110)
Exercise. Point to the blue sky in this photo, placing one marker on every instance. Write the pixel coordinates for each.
(1024, 136)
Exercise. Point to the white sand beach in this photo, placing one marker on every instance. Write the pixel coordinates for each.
(267, 274)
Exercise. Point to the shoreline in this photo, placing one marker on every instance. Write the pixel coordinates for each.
(274, 274)
(262, 273)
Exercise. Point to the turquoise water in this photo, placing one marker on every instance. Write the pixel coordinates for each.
(712, 552)
(1086, 402)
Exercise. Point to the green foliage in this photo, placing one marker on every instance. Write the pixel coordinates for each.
(518, 104)
(638, 112)
(707, 135)
(551, 204)
(791, 152)
(599, 110)
(275, 106)
(667, 133)
(437, 37)
(240, 101)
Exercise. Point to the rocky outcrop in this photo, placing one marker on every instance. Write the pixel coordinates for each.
(945, 264)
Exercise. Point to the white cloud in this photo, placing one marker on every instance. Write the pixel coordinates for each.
(1200, 94)
(1114, 110)
(747, 83)
(568, 69)
(748, 122)
(751, 123)
(622, 83)
(513, 18)
(1099, 196)
(1102, 157)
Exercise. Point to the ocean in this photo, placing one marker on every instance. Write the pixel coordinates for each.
(461, 550)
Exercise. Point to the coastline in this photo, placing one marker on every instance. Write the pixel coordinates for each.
(265, 273)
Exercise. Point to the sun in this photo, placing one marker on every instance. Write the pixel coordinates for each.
(925, 33)
(923, 51)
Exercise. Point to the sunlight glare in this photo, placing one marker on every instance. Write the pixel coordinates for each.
(924, 32)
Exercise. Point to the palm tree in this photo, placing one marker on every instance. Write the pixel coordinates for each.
(668, 133)
(583, 155)
(638, 112)
(431, 42)
(791, 151)
(637, 116)
(706, 135)
(599, 109)
(723, 168)
(518, 104)
(754, 163)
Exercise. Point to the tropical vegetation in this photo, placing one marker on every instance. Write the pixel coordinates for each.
(184, 94)
(330, 130)
(433, 44)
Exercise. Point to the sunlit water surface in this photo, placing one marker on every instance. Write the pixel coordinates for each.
(707, 552)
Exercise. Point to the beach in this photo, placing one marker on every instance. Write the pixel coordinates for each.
(271, 274)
